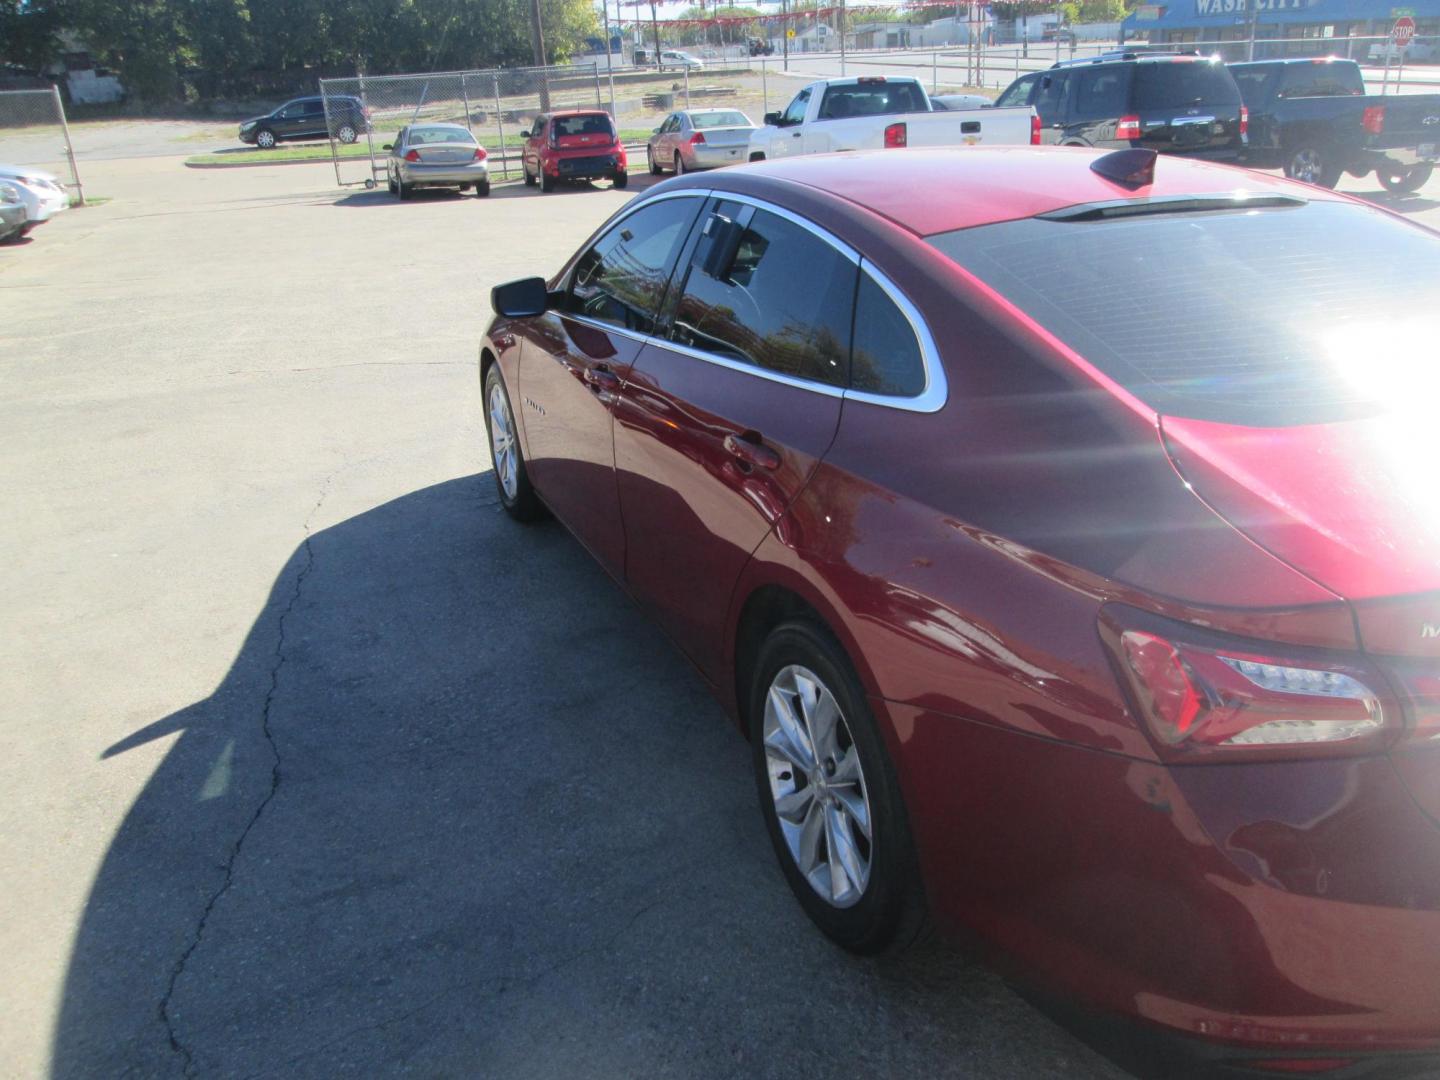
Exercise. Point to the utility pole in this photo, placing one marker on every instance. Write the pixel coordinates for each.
(655, 26)
(841, 20)
(609, 64)
(1250, 30)
(537, 41)
(785, 31)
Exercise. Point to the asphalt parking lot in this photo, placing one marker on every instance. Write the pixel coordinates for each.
(317, 764)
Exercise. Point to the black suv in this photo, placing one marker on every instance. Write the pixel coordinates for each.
(1176, 103)
(304, 118)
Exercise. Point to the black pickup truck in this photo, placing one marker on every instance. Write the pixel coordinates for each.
(1313, 119)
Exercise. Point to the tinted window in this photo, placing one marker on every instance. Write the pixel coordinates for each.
(1050, 100)
(1102, 93)
(1180, 84)
(1266, 318)
(589, 124)
(872, 99)
(1018, 93)
(315, 108)
(431, 136)
(621, 279)
(783, 303)
(1321, 80)
(1254, 83)
(886, 357)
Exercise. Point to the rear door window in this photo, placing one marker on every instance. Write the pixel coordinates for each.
(1050, 99)
(1266, 318)
(783, 302)
(886, 358)
(1183, 84)
(1101, 93)
(621, 278)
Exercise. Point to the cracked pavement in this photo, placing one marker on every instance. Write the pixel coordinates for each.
(316, 764)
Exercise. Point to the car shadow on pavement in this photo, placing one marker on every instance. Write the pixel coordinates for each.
(457, 808)
(1399, 202)
(500, 189)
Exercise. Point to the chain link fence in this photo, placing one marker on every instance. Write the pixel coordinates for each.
(497, 105)
(33, 131)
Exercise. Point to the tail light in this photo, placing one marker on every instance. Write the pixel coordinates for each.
(698, 137)
(1128, 128)
(1244, 120)
(896, 136)
(1206, 698)
(1034, 129)
(1373, 119)
(412, 155)
(480, 153)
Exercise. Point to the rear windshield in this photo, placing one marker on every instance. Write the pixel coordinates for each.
(1267, 318)
(1179, 84)
(1322, 80)
(431, 136)
(590, 124)
(872, 99)
(720, 119)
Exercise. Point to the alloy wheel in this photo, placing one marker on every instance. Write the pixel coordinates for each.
(1306, 165)
(818, 786)
(502, 440)
(265, 140)
(346, 134)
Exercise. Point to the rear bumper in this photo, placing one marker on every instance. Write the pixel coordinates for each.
(1258, 910)
(585, 167)
(460, 173)
(714, 157)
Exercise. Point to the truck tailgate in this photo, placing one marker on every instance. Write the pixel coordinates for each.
(971, 127)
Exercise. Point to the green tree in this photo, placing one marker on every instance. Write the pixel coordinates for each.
(29, 32)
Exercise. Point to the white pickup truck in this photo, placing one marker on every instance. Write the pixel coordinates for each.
(872, 112)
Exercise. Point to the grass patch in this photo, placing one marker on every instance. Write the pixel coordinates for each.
(321, 151)
(90, 200)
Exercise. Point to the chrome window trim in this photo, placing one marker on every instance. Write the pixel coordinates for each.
(937, 390)
(818, 231)
(609, 328)
(751, 369)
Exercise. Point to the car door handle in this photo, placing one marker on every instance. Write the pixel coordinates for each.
(796, 135)
(749, 450)
(601, 379)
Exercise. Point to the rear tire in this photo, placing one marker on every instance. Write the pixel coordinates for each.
(346, 133)
(529, 180)
(547, 182)
(621, 180)
(390, 184)
(850, 777)
(1312, 164)
(512, 482)
(1404, 179)
(679, 164)
(655, 169)
(404, 190)
(482, 189)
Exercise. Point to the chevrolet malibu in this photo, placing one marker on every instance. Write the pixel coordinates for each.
(1067, 543)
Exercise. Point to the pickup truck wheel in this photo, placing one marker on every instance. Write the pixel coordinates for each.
(758, 155)
(1404, 179)
(1312, 165)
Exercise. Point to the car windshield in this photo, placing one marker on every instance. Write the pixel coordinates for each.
(703, 121)
(1178, 84)
(431, 136)
(1265, 317)
(589, 124)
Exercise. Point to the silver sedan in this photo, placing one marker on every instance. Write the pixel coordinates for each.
(700, 139)
(436, 155)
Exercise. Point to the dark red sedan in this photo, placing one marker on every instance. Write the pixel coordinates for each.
(1063, 530)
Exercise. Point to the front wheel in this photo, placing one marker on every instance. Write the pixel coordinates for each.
(830, 795)
(265, 139)
(621, 180)
(1312, 165)
(512, 483)
(1403, 179)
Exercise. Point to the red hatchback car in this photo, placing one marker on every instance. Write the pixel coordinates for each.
(1065, 544)
(580, 144)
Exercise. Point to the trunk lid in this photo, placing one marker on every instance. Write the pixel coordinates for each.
(1186, 107)
(727, 136)
(445, 153)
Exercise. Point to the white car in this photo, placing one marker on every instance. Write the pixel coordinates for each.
(676, 58)
(41, 192)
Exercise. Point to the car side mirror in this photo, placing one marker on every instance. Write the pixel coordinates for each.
(387, 146)
(520, 299)
(655, 132)
(772, 119)
(719, 244)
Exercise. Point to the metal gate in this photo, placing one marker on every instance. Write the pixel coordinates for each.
(33, 131)
(497, 105)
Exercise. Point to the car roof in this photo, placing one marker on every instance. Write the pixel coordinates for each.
(1292, 60)
(439, 124)
(968, 186)
(558, 113)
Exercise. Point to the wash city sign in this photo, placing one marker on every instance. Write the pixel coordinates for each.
(1242, 7)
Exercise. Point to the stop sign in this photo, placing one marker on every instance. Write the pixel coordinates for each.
(1404, 30)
